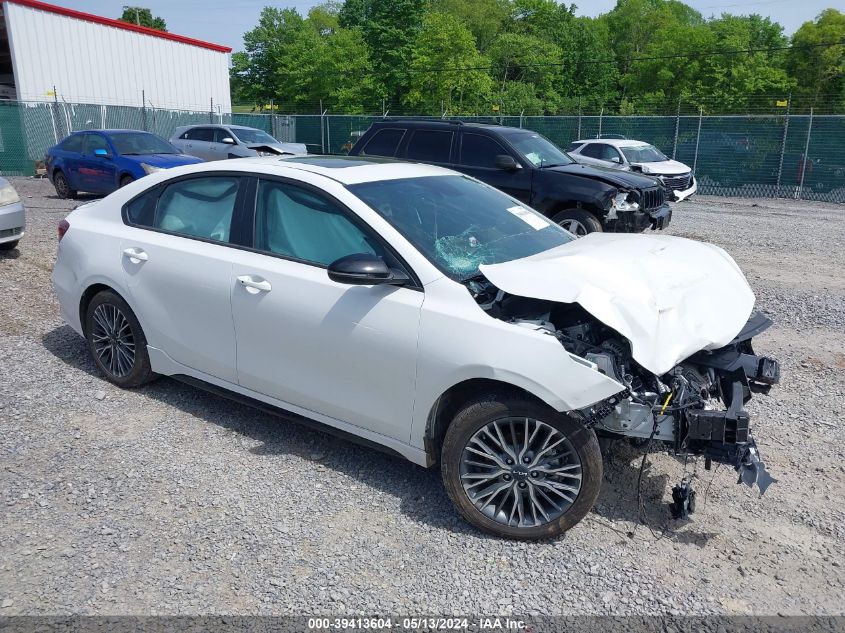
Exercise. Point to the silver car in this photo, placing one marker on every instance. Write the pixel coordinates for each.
(218, 142)
(12, 216)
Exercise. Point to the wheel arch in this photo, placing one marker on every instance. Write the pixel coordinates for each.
(446, 406)
(91, 291)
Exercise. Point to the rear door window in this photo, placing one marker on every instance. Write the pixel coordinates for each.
(73, 143)
(430, 146)
(198, 207)
(200, 134)
(385, 142)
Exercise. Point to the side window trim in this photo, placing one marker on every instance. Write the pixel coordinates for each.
(350, 215)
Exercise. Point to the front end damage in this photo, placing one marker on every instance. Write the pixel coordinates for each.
(695, 408)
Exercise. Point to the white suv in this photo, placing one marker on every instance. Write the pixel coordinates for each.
(423, 311)
(677, 178)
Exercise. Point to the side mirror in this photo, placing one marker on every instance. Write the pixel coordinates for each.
(508, 163)
(229, 140)
(102, 153)
(363, 269)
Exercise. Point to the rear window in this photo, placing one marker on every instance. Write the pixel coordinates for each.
(385, 142)
(430, 146)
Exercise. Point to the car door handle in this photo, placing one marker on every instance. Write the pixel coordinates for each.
(135, 255)
(254, 285)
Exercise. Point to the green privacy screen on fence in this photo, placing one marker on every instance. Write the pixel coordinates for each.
(752, 155)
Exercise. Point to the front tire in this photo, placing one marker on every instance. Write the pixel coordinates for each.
(516, 468)
(578, 222)
(125, 180)
(116, 340)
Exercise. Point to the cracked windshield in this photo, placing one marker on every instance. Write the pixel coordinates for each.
(459, 223)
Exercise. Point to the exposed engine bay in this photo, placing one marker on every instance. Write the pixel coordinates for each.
(696, 408)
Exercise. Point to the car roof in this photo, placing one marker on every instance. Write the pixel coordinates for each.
(115, 131)
(616, 142)
(448, 124)
(347, 170)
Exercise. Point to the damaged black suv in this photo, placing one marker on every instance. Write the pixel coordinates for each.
(524, 164)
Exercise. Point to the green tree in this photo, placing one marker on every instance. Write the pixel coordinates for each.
(819, 69)
(445, 42)
(484, 18)
(528, 74)
(300, 63)
(389, 28)
(142, 17)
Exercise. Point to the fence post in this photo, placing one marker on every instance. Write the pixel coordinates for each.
(697, 141)
(211, 111)
(322, 131)
(328, 133)
(601, 116)
(143, 110)
(783, 144)
(579, 118)
(677, 124)
(805, 157)
(520, 118)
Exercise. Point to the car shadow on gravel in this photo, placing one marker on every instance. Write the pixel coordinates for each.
(10, 254)
(420, 491)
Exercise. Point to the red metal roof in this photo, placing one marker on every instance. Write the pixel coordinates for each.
(127, 26)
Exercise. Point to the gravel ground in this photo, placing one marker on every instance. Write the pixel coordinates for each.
(168, 500)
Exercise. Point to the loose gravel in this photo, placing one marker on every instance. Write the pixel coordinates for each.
(168, 500)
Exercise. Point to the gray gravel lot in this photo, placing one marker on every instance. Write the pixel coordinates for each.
(168, 500)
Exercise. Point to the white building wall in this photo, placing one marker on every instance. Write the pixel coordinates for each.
(89, 62)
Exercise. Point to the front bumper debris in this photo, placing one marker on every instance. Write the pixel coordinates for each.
(638, 221)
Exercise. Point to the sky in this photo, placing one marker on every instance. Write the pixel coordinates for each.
(225, 21)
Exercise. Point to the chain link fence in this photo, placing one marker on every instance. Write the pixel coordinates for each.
(798, 156)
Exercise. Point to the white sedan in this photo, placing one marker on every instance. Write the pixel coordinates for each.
(677, 178)
(425, 312)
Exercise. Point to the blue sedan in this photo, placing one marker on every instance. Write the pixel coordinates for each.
(100, 161)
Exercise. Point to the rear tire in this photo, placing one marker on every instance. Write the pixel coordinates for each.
(578, 222)
(560, 455)
(62, 186)
(116, 341)
(8, 246)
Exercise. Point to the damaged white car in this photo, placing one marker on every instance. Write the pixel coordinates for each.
(424, 312)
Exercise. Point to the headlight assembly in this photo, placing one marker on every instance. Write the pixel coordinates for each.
(621, 203)
(8, 195)
(149, 169)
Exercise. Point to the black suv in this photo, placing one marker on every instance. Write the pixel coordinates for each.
(529, 167)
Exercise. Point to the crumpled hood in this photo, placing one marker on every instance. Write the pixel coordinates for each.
(669, 296)
(664, 168)
(283, 148)
(163, 160)
(615, 177)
